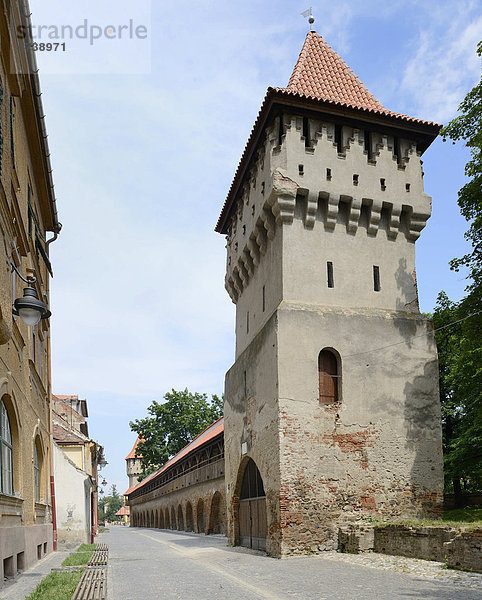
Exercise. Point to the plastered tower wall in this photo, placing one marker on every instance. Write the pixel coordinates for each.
(318, 189)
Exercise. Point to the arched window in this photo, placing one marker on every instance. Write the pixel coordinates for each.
(6, 455)
(329, 377)
(36, 471)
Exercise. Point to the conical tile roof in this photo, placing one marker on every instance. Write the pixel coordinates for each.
(320, 73)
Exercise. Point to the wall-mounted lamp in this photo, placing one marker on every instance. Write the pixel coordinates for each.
(29, 308)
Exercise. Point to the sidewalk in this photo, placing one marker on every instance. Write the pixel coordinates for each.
(29, 580)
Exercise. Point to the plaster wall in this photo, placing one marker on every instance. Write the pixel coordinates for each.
(377, 450)
(72, 489)
(251, 427)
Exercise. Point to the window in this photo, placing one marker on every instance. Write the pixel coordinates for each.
(6, 457)
(329, 274)
(36, 470)
(329, 378)
(376, 278)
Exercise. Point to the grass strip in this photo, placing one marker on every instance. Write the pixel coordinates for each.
(76, 559)
(57, 586)
(86, 547)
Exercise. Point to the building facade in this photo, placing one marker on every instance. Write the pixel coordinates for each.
(27, 214)
(188, 492)
(333, 399)
(331, 409)
(76, 463)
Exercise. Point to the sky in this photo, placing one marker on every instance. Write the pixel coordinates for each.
(145, 134)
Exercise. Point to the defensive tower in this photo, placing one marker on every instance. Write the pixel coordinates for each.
(331, 407)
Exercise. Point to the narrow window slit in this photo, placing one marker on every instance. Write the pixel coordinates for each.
(329, 274)
(355, 179)
(328, 174)
(300, 169)
(407, 187)
(382, 184)
(376, 278)
(338, 138)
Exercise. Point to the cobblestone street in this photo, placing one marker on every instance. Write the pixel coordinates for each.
(152, 564)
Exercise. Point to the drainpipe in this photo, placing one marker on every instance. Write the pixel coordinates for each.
(54, 512)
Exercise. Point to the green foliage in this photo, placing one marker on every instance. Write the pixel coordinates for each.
(460, 352)
(77, 558)
(109, 505)
(57, 586)
(173, 424)
(460, 364)
(467, 127)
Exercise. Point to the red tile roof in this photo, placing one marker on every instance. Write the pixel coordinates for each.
(124, 510)
(132, 453)
(320, 73)
(205, 436)
(63, 436)
(325, 82)
(127, 492)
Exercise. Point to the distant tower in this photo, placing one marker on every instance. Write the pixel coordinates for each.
(133, 465)
(331, 408)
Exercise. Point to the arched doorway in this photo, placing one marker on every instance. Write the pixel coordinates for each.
(180, 519)
(189, 517)
(166, 519)
(155, 521)
(217, 514)
(252, 509)
(161, 519)
(200, 516)
(173, 518)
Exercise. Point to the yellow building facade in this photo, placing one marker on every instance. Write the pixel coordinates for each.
(27, 213)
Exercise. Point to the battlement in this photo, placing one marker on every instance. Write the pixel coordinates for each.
(329, 176)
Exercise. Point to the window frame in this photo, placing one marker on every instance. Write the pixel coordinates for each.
(37, 471)
(335, 376)
(6, 452)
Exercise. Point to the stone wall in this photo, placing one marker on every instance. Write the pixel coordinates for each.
(457, 549)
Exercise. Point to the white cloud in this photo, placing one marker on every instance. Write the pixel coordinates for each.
(444, 65)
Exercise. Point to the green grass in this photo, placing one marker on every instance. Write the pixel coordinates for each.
(86, 547)
(77, 558)
(56, 586)
(467, 519)
(464, 515)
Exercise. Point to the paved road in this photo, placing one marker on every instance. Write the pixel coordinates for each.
(152, 564)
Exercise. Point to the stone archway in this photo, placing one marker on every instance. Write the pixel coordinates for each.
(161, 519)
(217, 515)
(167, 520)
(251, 515)
(201, 528)
(155, 522)
(173, 518)
(189, 517)
(180, 519)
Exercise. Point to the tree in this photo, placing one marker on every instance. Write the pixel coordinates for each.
(468, 127)
(173, 424)
(109, 505)
(459, 340)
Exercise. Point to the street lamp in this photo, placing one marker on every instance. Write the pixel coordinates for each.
(29, 308)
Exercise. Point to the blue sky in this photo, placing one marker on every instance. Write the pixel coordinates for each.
(145, 137)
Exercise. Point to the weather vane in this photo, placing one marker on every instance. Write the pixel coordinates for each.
(311, 19)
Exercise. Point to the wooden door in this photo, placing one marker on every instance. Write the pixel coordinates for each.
(252, 510)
